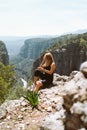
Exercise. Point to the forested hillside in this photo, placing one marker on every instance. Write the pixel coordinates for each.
(67, 49)
(4, 58)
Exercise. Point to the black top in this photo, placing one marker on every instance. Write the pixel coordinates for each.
(49, 77)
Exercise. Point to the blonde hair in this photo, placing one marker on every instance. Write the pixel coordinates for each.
(49, 57)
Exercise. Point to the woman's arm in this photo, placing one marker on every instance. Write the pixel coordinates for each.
(53, 66)
(48, 71)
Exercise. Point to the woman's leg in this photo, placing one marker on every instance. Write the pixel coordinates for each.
(35, 79)
(38, 85)
(38, 74)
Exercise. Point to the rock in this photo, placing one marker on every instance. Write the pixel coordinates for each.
(20, 117)
(61, 107)
(49, 109)
(3, 113)
(8, 117)
(83, 68)
(52, 122)
(21, 126)
(79, 108)
(24, 103)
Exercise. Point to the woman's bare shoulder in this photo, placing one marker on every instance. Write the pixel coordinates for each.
(53, 64)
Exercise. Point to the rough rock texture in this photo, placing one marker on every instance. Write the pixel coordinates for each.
(33, 47)
(4, 58)
(83, 68)
(61, 107)
(67, 59)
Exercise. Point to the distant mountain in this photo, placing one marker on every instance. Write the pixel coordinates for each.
(80, 31)
(13, 44)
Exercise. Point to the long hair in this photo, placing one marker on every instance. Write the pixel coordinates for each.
(49, 57)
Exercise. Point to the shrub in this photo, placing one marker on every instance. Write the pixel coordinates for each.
(7, 80)
(32, 97)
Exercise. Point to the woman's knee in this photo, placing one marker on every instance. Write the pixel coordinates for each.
(39, 83)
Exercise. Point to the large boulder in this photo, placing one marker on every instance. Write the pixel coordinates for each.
(83, 68)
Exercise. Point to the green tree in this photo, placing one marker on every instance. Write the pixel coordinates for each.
(7, 80)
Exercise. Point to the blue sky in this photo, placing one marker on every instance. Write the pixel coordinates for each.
(42, 17)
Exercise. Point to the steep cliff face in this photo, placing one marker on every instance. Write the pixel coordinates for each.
(33, 47)
(4, 58)
(69, 52)
(68, 58)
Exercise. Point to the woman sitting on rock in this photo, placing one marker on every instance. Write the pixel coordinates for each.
(43, 75)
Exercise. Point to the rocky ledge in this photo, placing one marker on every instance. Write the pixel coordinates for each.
(61, 107)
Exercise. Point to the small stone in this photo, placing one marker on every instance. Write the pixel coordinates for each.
(21, 127)
(28, 123)
(33, 121)
(49, 109)
(20, 117)
(8, 127)
(3, 113)
(8, 117)
(53, 105)
(24, 104)
(58, 107)
(23, 109)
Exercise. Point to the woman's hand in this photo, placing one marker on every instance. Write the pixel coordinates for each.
(40, 68)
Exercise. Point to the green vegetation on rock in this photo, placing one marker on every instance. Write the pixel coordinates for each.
(32, 97)
(7, 80)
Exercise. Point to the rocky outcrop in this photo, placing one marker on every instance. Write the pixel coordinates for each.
(83, 68)
(4, 58)
(68, 58)
(73, 115)
(63, 107)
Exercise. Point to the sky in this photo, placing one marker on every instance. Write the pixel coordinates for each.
(42, 17)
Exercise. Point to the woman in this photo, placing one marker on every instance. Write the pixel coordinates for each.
(44, 73)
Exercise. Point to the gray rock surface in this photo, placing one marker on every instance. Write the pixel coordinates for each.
(61, 107)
